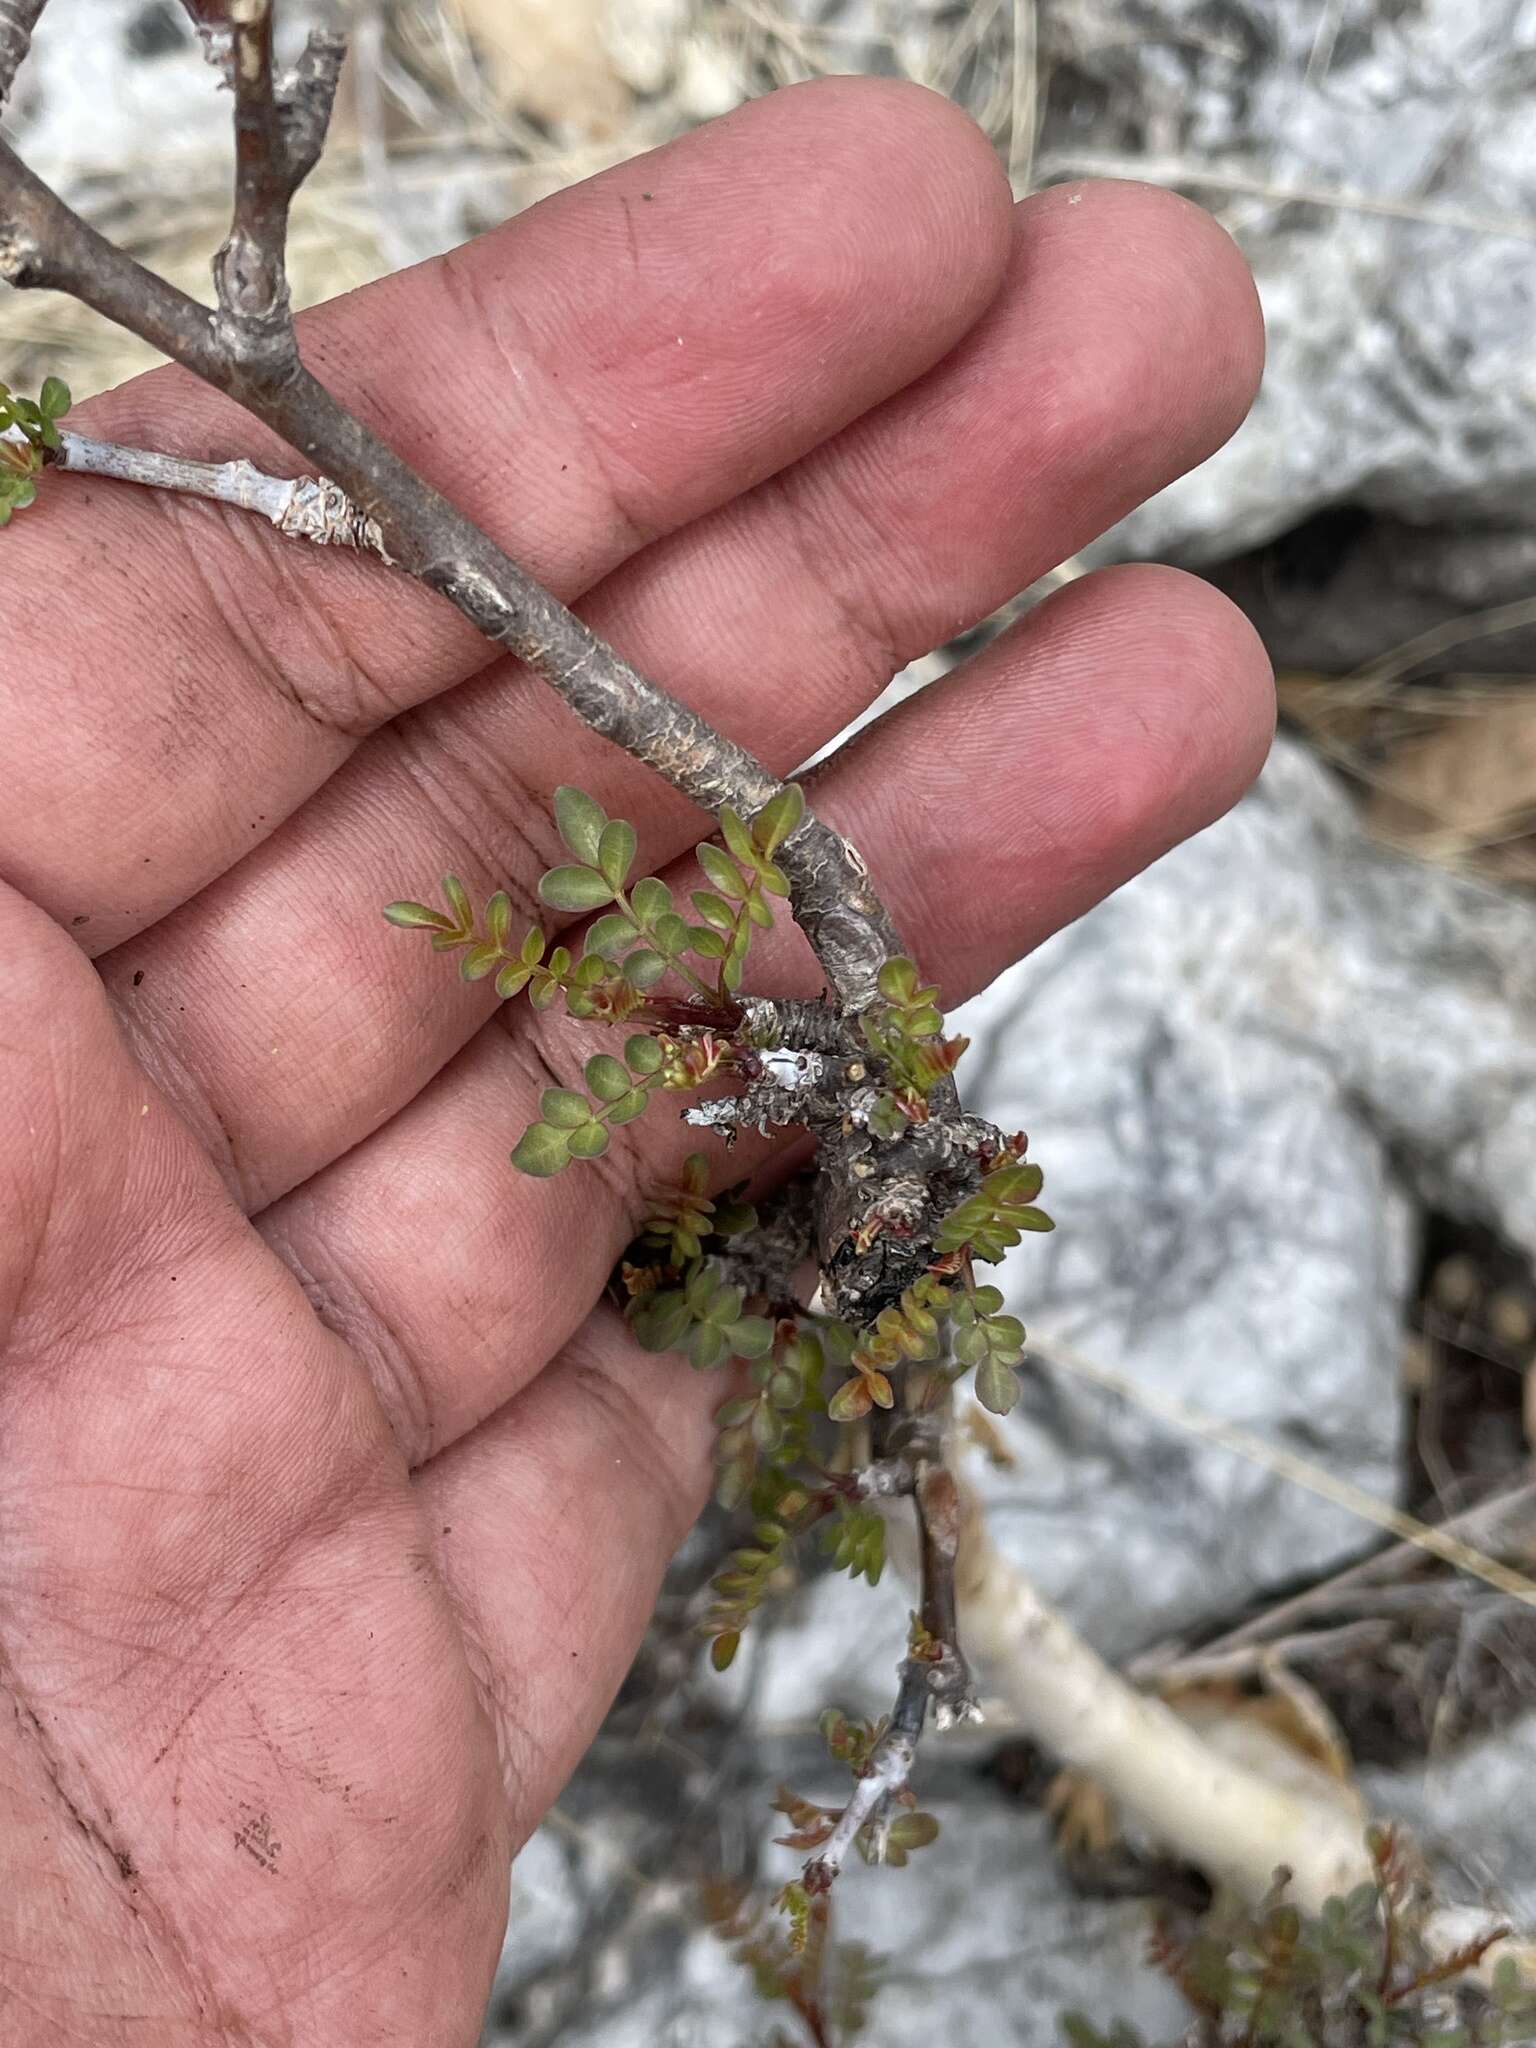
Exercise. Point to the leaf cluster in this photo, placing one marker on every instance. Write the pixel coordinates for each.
(797, 1962)
(572, 1125)
(881, 1840)
(905, 1031)
(984, 1337)
(702, 1317)
(640, 928)
(683, 1217)
(35, 421)
(740, 1587)
(1356, 1974)
(764, 1456)
(994, 1219)
(743, 876)
(772, 1423)
(855, 1539)
(933, 1316)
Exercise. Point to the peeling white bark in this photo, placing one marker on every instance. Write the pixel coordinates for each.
(304, 507)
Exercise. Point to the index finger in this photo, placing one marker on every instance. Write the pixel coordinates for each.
(604, 369)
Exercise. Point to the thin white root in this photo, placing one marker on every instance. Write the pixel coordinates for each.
(304, 507)
(1233, 1822)
(1187, 1785)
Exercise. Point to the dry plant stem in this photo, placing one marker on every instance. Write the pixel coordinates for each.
(254, 358)
(18, 18)
(934, 1672)
(884, 1776)
(305, 507)
(1499, 1523)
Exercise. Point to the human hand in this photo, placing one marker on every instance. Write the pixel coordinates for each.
(332, 1509)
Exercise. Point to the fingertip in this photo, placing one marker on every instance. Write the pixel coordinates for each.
(1201, 695)
(1125, 713)
(1164, 314)
(889, 152)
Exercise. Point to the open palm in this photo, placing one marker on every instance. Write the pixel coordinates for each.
(331, 1509)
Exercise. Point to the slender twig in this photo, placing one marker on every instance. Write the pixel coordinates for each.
(949, 1682)
(882, 1779)
(306, 507)
(933, 1672)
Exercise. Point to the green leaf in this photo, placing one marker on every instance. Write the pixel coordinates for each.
(661, 1319)
(737, 837)
(1032, 1219)
(54, 398)
(651, 898)
(643, 1054)
(616, 852)
(723, 1649)
(750, 1336)
(564, 1108)
(725, 1305)
(897, 980)
(708, 1348)
(589, 1141)
(850, 1402)
(913, 1831)
(532, 948)
(609, 935)
(970, 1345)
(643, 968)
(575, 889)
(779, 817)
(498, 920)
(628, 1107)
(541, 1151)
(721, 870)
(478, 962)
(581, 819)
(457, 897)
(714, 910)
(886, 1119)
(706, 943)
(606, 1077)
(412, 916)
(670, 933)
(997, 1386)
(512, 978)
